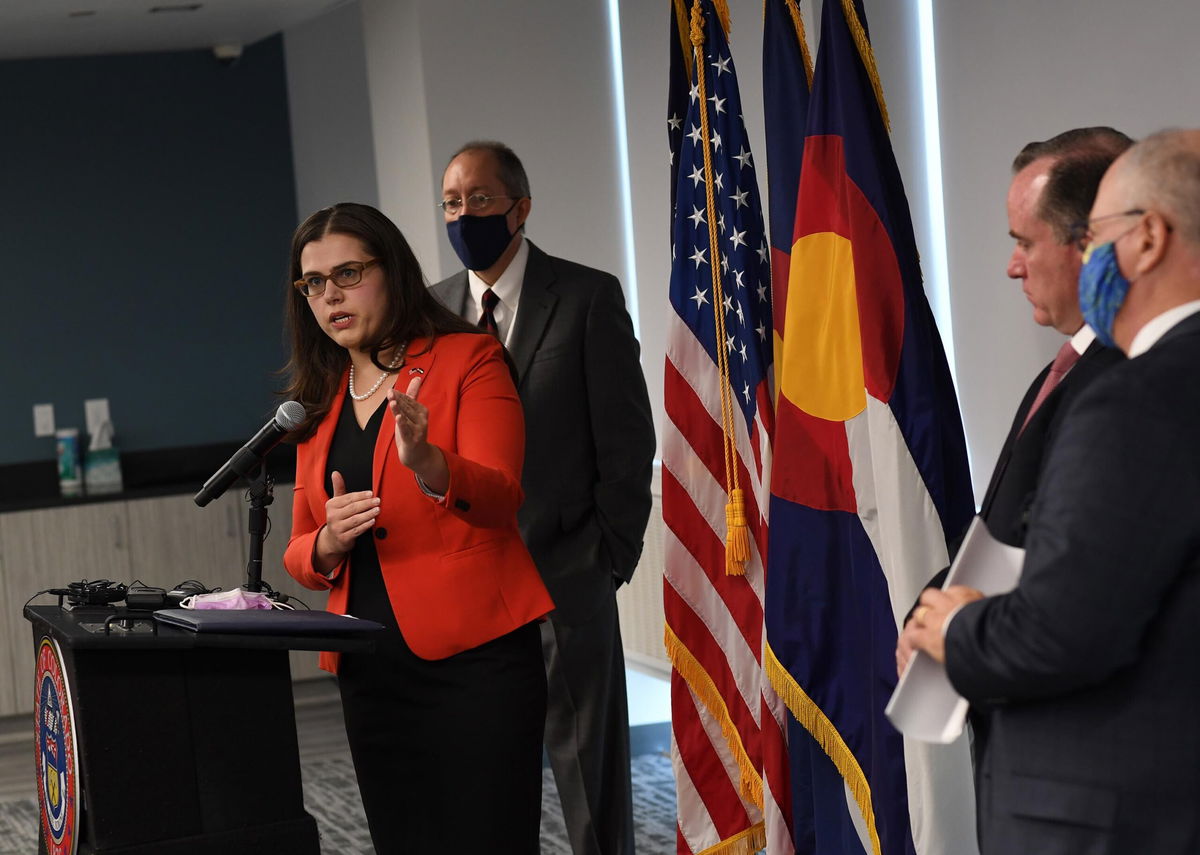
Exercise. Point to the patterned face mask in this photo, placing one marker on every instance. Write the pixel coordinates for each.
(1102, 290)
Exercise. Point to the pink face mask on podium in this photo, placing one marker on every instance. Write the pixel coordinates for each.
(234, 599)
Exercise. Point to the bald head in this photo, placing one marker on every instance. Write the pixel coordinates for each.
(1162, 173)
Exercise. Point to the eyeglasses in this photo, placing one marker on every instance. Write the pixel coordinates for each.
(348, 275)
(1081, 233)
(475, 202)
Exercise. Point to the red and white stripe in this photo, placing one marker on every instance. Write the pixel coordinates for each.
(718, 618)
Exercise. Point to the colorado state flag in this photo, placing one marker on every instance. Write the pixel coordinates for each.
(869, 478)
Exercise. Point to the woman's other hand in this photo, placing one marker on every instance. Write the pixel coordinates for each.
(347, 515)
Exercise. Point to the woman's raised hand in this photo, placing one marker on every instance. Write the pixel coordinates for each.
(412, 424)
(412, 445)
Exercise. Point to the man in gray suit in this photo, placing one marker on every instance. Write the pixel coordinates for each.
(1089, 665)
(588, 457)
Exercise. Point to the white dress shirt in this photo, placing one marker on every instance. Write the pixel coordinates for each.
(507, 289)
(1158, 326)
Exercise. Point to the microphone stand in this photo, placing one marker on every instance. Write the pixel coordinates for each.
(261, 495)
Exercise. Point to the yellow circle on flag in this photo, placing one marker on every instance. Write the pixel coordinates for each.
(821, 365)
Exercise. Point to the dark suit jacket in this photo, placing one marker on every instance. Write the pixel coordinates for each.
(588, 429)
(1013, 486)
(1090, 666)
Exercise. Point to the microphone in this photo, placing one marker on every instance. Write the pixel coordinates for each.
(250, 456)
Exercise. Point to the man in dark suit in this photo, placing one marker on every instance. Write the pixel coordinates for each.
(1054, 183)
(1053, 186)
(588, 462)
(1090, 664)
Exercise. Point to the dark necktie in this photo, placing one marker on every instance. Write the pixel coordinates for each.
(1067, 356)
(487, 317)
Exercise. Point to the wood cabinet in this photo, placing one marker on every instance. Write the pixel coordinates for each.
(49, 549)
(172, 540)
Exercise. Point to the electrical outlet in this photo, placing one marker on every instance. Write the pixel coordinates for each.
(43, 420)
(95, 411)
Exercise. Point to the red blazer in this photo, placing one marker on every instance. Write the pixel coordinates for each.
(456, 571)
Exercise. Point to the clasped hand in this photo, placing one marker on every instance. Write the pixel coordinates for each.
(347, 515)
(924, 630)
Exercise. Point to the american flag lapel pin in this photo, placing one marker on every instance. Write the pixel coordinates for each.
(415, 370)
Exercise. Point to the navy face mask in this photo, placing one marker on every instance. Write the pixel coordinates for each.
(1102, 290)
(480, 241)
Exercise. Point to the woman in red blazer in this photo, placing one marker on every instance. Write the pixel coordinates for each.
(408, 474)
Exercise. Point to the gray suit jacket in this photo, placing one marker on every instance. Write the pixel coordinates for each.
(1091, 666)
(589, 437)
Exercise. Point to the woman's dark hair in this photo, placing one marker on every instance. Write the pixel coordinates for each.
(317, 362)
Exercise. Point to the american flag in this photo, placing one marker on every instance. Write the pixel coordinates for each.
(717, 437)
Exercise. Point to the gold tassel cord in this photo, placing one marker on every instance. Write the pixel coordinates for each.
(746, 842)
(802, 38)
(702, 685)
(867, 56)
(822, 730)
(737, 537)
(737, 544)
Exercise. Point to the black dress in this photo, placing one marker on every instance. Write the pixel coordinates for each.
(447, 752)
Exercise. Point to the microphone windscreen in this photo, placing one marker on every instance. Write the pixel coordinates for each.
(289, 415)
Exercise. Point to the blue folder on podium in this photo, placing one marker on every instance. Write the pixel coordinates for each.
(266, 621)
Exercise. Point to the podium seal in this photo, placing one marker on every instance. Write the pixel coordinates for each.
(57, 762)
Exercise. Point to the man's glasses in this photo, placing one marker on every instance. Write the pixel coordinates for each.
(1081, 232)
(475, 202)
(347, 275)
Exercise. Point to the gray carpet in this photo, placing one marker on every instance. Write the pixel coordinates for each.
(331, 795)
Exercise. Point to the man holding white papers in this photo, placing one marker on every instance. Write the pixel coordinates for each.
(1090, 666)
(1053, 186)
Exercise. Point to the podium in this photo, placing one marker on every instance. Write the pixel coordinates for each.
(153, 740)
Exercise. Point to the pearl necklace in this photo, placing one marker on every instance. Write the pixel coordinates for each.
(396, 360)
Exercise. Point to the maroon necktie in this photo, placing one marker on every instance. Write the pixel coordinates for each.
(487, 317)
(1067, 356)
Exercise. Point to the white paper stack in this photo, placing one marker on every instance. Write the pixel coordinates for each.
(925, 705)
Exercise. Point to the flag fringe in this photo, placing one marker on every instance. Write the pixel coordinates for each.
(702, 685)
(868, 57)
(802, 38)
(822, 730)
(745, 842)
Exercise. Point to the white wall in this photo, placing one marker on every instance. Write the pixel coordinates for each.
(330, 113)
